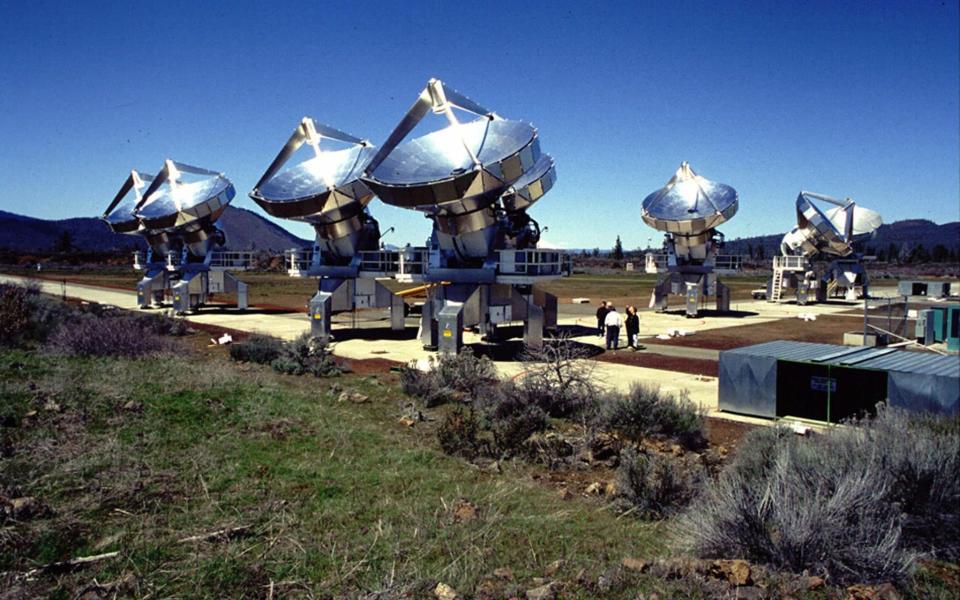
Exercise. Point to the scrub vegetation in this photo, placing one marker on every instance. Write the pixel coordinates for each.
(183, 473)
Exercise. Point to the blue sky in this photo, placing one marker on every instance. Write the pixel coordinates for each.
(854, 99)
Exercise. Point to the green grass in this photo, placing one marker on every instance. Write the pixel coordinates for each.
(335, 499)
(338, 498)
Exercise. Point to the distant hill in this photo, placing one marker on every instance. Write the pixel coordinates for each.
(245, 230)
(905, 235)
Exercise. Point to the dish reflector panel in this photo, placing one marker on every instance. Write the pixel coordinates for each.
(689, 204)
(321, 189)
(171, 202)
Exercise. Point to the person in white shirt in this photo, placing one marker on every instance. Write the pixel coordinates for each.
(613, 323)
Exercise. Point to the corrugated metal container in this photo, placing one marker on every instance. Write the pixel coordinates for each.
(953, 328)
(830, 382)
(933, 289)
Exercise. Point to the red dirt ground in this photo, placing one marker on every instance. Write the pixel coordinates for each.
(694, 366)
(827, 329)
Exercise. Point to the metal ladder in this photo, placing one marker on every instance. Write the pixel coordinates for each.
(777, 292)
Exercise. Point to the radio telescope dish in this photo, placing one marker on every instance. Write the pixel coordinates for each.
(121, 215)
(832, 231)
(461, 168)
(172, 203)
(689, 204)
(321, 189)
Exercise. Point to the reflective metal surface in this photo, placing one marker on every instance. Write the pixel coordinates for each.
(321, 189)
(689, 204)
(832, 231)
(171, 202)
(436, 173)
(531, 186)
(865, 221)
(475, 179)
(121, 215)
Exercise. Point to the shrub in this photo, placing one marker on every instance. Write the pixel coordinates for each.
(511, 418)
(458, 432)
(645, 411)
(854, 504)
(656, 485)
(260, 349)
(160, 324)
(14, 314)
(558, 379)
(449, 379)
(89, 335)
(306, 354)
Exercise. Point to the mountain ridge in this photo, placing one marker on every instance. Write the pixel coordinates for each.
(244, 229)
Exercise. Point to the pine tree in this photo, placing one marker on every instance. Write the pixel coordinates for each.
(618, 249)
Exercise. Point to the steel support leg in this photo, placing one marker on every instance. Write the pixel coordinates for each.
(397, 313)
(723, 298)
(533, 326)
(321, 312)
(693, 299)
(450, 326)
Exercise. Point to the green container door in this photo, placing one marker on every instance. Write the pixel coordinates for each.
(826, 392)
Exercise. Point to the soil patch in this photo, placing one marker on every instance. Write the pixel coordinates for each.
(723, 432)
(694, 366)
(827, 329)
(372, 366)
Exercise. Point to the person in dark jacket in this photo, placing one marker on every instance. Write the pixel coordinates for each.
(601, 317)
(632, 324)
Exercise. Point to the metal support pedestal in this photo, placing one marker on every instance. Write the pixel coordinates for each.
(151, 288)
(190, 292)
(723, 298)
(337, 294)
(450, 327)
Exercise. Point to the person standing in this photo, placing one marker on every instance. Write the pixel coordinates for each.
(613, 323)
(632, 323)
(601, 317)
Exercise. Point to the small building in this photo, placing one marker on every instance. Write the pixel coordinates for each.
(826, 382)
(930, 289)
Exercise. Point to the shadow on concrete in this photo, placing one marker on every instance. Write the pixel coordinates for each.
(374, 333)
(514, 349)
(710, 312)
(576, 330)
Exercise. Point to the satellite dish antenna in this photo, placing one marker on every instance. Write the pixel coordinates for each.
(827, 228)
(458, 174)
(833, 231)
(475, 180)
(688, 209)
(324, 189)
(689, 204)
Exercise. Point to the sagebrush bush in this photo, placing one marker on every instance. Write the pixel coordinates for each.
(511, 418)
(260, 349)
(656, 485)
(90, 335)
(458, 433)
(646, 410)
(160, 324)
(306, 355)
(854, 504)
(14, 314)
(558, 379)
(456, 378)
